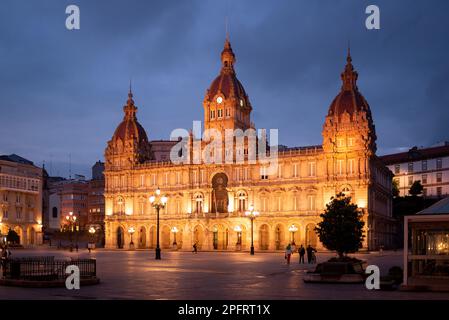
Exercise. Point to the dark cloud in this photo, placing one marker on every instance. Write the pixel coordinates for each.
(62, 92)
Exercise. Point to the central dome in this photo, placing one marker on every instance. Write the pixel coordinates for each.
(227, 84)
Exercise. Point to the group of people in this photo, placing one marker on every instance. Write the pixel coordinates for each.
(291, 248)
(5, 255)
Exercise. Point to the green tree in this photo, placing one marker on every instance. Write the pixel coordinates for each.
(416, 188)
(395, 188)
(342, 227)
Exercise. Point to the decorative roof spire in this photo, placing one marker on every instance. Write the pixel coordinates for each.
(130, 109)
(227, 55)
(349, 75)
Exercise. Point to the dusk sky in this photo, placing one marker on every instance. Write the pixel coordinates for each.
(62, 92)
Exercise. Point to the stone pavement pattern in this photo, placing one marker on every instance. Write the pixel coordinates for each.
(209, 275)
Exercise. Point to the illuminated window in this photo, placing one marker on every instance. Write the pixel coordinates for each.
(340, 167)
(350, 142)
(295, 170)
(242, 201)
(311, 202)
(351, 164)
(198, 203)
(312, 169)
(340, 142)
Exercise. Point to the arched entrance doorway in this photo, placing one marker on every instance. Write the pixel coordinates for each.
(178, 239)
(279, 237)
(153, 239)
(120, 238)
(311, 236)
(142, 237)
(19, 232)
(198, 236)
(219, 193)
(32, 236)
(264, 237)
(220, 237)
(165, 237)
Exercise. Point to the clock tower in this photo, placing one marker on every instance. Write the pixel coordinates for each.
(226, 104)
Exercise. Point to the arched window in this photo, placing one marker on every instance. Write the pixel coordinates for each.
(142, 206)
(242, 200)
(198, 203)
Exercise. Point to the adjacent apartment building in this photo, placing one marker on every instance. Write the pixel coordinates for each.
(21, 199)
(428, 165)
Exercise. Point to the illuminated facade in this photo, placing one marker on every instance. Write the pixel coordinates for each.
(207, 202)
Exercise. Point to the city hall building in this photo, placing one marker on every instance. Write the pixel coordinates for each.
(207, 201)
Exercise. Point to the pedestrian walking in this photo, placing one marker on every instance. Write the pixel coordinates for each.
(195, 248)
(302, 253)
(310, 254)
(288, 253)
(293, 247)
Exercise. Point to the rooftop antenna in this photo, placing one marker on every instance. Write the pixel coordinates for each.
(227, 27)
(227, 20)
(349, 48)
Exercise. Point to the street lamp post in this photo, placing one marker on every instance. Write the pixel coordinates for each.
(71, 219)
(252, 215)
(92, 235)
(131, 231)
(293, 229)
(175, 231)
(158, 202)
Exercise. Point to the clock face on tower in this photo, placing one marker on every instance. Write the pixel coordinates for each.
(219, 100)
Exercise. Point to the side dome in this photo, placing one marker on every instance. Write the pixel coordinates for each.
(130, 128)
(349, 100)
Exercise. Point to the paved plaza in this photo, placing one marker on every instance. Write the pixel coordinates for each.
(208, 275)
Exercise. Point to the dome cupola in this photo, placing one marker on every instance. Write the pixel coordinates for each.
(226, 104)
(349, 124)
(130, 128)
(129, 144)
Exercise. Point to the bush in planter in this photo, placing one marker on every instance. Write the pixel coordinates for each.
(342, 226)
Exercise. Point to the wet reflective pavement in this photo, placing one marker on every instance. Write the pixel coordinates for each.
(209, 275)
